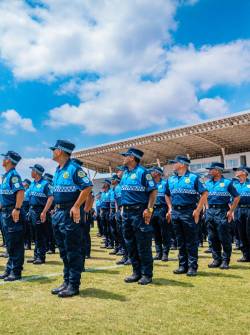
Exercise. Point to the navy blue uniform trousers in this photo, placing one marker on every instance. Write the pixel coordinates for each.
(70, 240)
(14, 237)
(242, 217)
(219, 231)
(41, 233)
(187, 235)
(138, 240)
(162, 232)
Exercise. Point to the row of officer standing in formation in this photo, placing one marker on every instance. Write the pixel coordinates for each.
(135, 206)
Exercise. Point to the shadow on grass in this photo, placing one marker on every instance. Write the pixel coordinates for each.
(103, 258)
(39, 280)
(240, 267)
(98, 250)
(205, 256)
(218, 274)
(170, 282)
(101, 294)
(108, 272)
(54, 262)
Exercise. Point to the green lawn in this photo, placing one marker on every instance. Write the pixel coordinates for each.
(215, 302)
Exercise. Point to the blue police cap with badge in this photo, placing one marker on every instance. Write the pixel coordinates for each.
(107, 181)
(48, 177)
(243, 168)
(120, 168)
(77, 161)
(63, 145)
(26, 181)
(115, 177)
(37, 168)
(13, 156)
(180, 159)
(133, 152)
(216, 165)
(156, 169)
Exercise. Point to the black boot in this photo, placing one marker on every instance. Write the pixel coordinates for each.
(38, 261)
(192, 272)
(157, 257)
(181, 270)
(31, 260)
(145, 280)
(133, 278)
(68, 292)
(224, 265)
(122, 260)
(164, 257)
(243, 260)
(4, 275)
(214, 264)
(13, 277)
(59, 289)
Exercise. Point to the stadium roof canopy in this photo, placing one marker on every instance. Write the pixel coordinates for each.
(211, 138)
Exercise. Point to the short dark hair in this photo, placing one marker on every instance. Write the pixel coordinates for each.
(137, 160)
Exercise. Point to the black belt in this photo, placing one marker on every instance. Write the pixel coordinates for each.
(180, 207)
(244, 206)
(134, 207)
(64, 206)
(219, 206)
(160, 206)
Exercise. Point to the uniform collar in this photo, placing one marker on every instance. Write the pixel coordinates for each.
(65, 165)
(6, 173)
(219, 180)
(129, 171)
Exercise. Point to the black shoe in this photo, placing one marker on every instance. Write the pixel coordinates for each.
(192, 272)
(157, 257)
(27, 247)
(51, 252)
(123, 260)
(214, 264)
(4, 255)
(120, 253)
(59, 289)
(38, 261)
(164, 258)
(133, 278)
(112, 252)
(110, 247)
(208, 251)
(224, 266)
(128, 262)
(145, 280)
(4, 275)
(68, 292)
(12, 277)
(243, 260)
(181, 270)
(103, 247)
(236, 248)
(32, 260)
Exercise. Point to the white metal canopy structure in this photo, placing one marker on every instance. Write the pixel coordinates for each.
(211, 138)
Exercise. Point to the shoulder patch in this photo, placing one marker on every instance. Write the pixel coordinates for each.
(86, 180)
(148, 176)
(17, 185)
(151, 183)
(81, 174)
(14, 180)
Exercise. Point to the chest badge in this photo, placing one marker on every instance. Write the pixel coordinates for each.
(38, 185)
(133, 176)
(66, 175)
(14, 180)
(248, 186)
(222, 184)
(187, 181)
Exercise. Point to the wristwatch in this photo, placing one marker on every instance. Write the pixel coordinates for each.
(150, 209)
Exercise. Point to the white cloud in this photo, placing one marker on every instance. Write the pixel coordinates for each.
(12, 122)
(214, 107)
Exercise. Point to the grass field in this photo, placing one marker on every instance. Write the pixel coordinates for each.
(215, 302)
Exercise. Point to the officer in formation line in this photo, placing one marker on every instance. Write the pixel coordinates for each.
(134, 207)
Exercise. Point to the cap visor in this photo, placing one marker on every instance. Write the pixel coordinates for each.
(172, 161)
(52, 148)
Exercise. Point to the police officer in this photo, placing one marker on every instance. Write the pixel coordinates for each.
(40, 199)
(183, 191)
(219, 214)
(105, 214)
(138, 191)
(50, 243)
(98, 214)
(113, 216)
(161, 226)
(242, 212)
(12, 195)
(26, 218)
(71, 188)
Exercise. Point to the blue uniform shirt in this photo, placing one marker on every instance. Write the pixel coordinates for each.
(184, 190)
(11, 184)
(161, 187)
(244, 191)
(220, 191)
(98, 206)
(68, 182)
(105, 200)
(136, 186)
(26, 197)
(39, 191)
(118, 195)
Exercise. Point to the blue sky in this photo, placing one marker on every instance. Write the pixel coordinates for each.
(96, 72)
